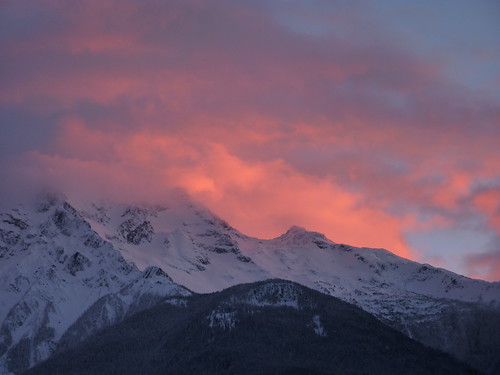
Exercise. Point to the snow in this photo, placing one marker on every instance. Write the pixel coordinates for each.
(176, 302)
(224, 320)
(317, 326)
(274, 294)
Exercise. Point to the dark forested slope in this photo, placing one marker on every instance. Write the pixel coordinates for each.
(268, 327)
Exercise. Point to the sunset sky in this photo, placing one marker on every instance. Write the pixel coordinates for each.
(374, 122)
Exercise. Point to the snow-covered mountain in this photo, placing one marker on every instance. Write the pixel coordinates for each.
(205, 254)
(202, 252)
(152, 287)
(60, 259)
(53, 267)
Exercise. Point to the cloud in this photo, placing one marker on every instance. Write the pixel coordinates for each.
(271, 115)
(485, 265)
(260, 198)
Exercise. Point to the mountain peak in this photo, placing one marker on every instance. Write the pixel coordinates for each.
(296, 229)
(300, 236)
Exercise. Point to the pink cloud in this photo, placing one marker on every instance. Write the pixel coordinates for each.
(260, 198)
(488, 202)
(267, 124)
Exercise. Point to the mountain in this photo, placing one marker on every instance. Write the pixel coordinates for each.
(197, 249)
(205, 254)
(71, 268)
(53, 267)
(152, 288)
(270, 327)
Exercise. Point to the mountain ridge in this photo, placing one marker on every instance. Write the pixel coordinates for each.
(86, 244)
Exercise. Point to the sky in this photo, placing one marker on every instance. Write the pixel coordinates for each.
(376, 123)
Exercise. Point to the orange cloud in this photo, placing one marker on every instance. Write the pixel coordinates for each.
(263, 120)
(261, 199)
